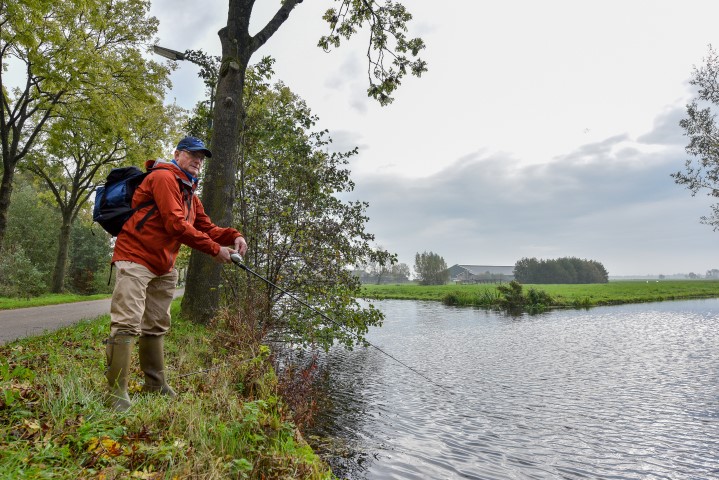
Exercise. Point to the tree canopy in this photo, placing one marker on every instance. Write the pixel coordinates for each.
(560, 270)
(301, 236)
(701, 170)
(431, 269)
(68, 55)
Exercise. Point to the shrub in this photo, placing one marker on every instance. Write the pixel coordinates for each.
(451, 299)
(512, 298)
(18, 276)
(538, 300)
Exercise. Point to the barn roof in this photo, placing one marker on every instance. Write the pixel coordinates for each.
(484, 269)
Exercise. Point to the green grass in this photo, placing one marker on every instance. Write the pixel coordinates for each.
(47, 299)
(612, 293)
(228, 421)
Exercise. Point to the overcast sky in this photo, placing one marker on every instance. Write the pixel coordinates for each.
(542, 129)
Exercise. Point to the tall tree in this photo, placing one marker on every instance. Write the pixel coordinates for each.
(66, 54)
(391, 55)
(29, 209)
(431, 269)
(701, 170)
(400, 273)
(30, 251)
(81, 146)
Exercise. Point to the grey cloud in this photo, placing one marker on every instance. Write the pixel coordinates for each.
(334, 82)
(610, 201)
(349, 72)
(359, 101)
(350, 77)
(666, 129)
(604, 147)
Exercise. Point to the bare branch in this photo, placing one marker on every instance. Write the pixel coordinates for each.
(274, 24)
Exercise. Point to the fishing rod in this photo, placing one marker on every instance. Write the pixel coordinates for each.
(237, 260)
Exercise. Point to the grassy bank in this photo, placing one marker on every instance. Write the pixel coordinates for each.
(228, 421)
(612, 293)
(47, 299)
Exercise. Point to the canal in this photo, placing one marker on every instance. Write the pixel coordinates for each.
(621, 392)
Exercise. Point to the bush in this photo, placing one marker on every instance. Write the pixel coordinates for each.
(451, 299)
(18, 276)
(538, 300)
(513, 299)
(89, 263)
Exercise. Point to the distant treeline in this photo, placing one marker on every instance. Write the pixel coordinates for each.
(560, 270)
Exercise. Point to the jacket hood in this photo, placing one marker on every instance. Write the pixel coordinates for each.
(183, 176)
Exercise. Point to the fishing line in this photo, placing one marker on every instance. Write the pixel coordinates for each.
(237, 259)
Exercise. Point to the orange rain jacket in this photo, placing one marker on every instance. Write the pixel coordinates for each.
(178, 218)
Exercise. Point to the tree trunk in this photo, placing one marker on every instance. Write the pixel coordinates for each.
(5, 194)
(202, 292)
(58, 274)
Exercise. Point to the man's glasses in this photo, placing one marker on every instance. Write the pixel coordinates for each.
(196, 155)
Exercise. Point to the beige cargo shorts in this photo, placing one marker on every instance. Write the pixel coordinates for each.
(141, 300)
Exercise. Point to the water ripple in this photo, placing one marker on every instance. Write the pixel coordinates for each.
(610, 393)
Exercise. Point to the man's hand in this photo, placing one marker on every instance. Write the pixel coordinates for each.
(223, 256)
(241, 246)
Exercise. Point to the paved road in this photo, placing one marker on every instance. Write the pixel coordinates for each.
(25, 322)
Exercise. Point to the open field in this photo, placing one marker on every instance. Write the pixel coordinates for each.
(612, 293)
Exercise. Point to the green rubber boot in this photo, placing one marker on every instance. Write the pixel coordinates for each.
(119, 351)
(152, 362)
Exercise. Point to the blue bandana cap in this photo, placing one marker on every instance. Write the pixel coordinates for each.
(192, 144)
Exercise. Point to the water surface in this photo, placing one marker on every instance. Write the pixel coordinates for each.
(623, 392)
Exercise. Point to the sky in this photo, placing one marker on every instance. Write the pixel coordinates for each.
(541, 129)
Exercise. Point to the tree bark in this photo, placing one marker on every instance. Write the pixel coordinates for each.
(202, 292)
(5, 194)
(58, 273)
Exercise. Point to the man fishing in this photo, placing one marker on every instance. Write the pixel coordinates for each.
(144, 256)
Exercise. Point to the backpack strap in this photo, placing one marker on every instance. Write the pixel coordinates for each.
(186, 196)
(149, 213)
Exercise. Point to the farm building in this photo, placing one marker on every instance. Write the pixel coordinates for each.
(481, 273)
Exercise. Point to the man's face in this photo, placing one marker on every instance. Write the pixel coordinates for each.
(190, 161)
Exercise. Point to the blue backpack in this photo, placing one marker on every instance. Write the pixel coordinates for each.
(113, 200)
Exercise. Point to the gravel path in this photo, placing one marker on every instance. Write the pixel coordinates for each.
(25, 322)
